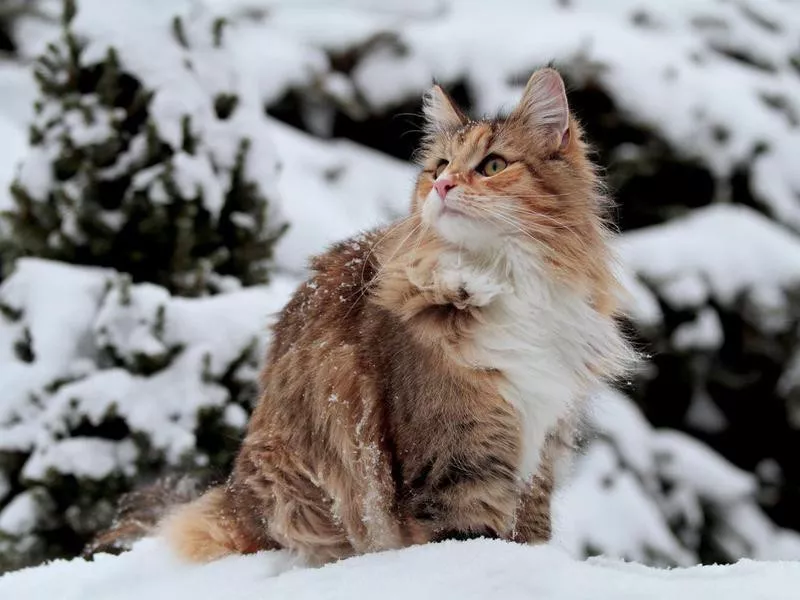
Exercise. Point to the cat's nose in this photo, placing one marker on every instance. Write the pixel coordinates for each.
(443, 185)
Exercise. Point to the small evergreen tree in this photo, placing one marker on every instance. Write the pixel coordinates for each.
(103, 185)
(147, 158)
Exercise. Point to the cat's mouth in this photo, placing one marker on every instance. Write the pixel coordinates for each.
(450, 210)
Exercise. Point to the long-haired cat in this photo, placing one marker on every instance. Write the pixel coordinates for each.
(423, 383)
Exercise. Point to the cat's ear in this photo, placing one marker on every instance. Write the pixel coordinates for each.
(440, 111)
(544, 108)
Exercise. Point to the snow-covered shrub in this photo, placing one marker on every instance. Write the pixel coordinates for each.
(144, 159)
(109, 385)
(722, 286)
(150, 162)
(661, 497)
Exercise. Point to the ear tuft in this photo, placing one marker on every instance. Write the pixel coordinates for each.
(440, 111)
(544, 107)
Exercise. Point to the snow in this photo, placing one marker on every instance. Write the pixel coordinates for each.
(634, 484)
(620, 520)
(332, 189)
(704, 415)
(688, 69)
(728, 249)
(94, 315)
(686, 460)
(88, 458)
(464, 570)
(20, 516)
(16, 93)
(704, 333)
(185, 82)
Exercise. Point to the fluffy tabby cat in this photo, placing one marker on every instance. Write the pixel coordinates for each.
(425, 381)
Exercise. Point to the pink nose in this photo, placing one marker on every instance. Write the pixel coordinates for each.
(443, 185)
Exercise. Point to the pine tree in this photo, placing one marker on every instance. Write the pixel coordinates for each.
(104, 186)
(171, 203)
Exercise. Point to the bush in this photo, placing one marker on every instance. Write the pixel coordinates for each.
(122, 175)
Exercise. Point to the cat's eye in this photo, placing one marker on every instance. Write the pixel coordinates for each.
(440, 168)
(491, 165)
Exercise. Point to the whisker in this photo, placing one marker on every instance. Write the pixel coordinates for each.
(388, 231)
(508, 221)
(366, 285)
(538, 215)
(548, 195)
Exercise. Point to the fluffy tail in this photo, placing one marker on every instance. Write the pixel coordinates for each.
(200, 528)
(141, 511)
(205, 530)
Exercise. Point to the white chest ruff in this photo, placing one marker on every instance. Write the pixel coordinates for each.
(542, 336)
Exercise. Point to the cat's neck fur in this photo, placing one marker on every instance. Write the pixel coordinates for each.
(536, 326)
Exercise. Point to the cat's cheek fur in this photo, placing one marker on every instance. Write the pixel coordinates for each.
(431, 208)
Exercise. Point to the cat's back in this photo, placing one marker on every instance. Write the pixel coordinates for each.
(329, 307)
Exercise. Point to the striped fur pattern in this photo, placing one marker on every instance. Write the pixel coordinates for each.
(426, 381)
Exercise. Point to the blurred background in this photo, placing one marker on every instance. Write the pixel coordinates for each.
(167, 166)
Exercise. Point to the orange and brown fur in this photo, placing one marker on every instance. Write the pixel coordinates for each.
(426, 380)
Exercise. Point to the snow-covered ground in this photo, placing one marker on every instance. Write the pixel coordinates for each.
(477, 569)
(638, 492)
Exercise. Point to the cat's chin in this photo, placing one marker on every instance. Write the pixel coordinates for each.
(465, 231)
(457, 227)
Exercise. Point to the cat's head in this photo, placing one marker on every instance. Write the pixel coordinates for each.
(524, 177)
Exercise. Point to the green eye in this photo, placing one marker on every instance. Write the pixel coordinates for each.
(440, 168)
(491, 165)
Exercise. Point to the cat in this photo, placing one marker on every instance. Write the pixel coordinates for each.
(428, 380)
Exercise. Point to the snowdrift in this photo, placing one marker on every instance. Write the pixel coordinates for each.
(463, 570)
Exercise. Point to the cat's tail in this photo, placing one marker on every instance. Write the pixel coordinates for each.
(205, 529)
(140, 512)
(200, 527)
